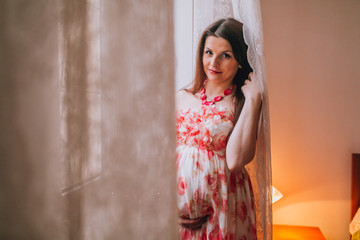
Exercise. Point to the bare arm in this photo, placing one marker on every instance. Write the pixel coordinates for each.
(241, 145)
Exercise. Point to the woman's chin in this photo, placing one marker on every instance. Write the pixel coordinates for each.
(214, 77)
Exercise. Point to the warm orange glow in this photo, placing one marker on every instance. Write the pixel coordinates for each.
(276, 194)
(284, 232)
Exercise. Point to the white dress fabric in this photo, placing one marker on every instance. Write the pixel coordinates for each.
(206, 187)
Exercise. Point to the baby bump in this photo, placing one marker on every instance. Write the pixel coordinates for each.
(200, 181)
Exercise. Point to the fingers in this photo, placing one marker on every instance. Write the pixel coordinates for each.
(187, 220)
(249, 78)
(250, 89)
(247, 82)
(183, 220)
(192, 224)
(195, 226)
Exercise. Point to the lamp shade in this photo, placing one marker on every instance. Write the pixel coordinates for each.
(355, 223)
(276, 194)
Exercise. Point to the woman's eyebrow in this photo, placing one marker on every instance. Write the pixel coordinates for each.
(207, 48)
(227, 51)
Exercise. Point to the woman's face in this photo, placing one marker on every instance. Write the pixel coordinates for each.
(218, 59)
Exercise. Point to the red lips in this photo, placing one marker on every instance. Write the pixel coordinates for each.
(213, 71)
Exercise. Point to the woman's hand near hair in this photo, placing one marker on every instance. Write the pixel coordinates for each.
(240, 149)
(251, 92)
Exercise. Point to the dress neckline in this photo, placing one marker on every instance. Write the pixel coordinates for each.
(198, 108)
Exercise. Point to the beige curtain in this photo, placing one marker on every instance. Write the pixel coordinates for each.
(87, 120)
(30, 203)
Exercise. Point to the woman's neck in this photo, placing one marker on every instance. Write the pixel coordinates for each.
(216, 89)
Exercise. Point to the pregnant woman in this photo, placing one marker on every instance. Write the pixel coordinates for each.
(217, 120)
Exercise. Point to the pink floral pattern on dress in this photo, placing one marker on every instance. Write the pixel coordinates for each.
(205, 184)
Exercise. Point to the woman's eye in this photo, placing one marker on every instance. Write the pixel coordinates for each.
(208, 52)
(225, 55)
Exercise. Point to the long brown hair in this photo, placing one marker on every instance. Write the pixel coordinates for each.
(231, 30)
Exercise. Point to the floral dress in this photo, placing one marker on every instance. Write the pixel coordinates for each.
(206, 187)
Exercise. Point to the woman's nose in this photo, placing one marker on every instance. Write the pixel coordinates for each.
(215, 61)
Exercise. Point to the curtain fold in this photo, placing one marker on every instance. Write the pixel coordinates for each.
(249, 13)
(30, 204)
(87, 143)
(116, 90)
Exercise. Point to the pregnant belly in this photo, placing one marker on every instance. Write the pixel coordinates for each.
(200, 179)
(195, 209)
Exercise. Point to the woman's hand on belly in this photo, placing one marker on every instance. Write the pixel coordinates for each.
(193, 224)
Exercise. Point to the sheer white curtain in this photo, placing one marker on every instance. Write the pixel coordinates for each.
(87, 154)
(248, 12)
(116, 142)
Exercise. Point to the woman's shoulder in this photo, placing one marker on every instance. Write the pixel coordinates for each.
(183, 93)
(184, 98)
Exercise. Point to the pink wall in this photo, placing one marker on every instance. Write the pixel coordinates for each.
(313, 66)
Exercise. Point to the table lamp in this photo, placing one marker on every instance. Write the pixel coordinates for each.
(276, 194)
(355, 226)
